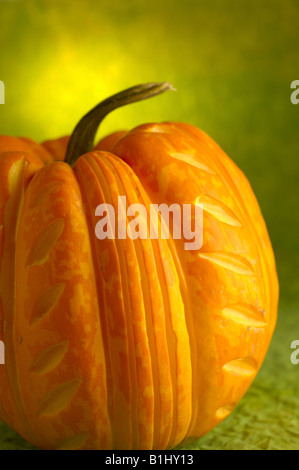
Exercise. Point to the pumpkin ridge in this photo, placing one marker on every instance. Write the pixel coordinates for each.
(139, 253)
(131, 317)
(121, 154)
(128, 310)
(99, 285)
(173, 256)
(12, 214)
(101, 172)
(73, 319)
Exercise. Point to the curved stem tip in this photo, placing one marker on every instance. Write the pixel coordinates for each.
(83, 136)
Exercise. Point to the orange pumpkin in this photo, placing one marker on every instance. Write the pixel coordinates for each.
(121, 343)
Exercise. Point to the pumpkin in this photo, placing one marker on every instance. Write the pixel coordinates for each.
(127, 343)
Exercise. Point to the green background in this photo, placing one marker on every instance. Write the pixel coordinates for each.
(232, 63)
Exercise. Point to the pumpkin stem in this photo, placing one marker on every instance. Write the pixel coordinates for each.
(83, 136)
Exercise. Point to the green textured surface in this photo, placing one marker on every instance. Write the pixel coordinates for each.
(232, 63)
